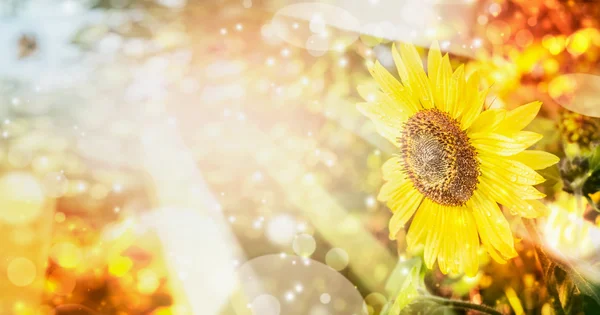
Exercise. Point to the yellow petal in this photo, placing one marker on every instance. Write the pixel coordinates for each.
(457, 86)
(417, 232)
(394, 189)
(399, 193)
(494, 254)
(442, 86)
(524, 192)
(493, 228)
(473, 104)
(471, 244)
(509, 170)
(509, 176)
(402, 72)
(394, 90)
(458, 247)
(434, 59)
(527, 138)
(521, 116)
(530, 193)
(435, 234)
(536, 160)
(403, 208)
(417, 79)
(536, 209)
(387, 119)
(386, 81)
(493, 143)
(487, 121)
(393, 169)
(445, 251)
(507, 197)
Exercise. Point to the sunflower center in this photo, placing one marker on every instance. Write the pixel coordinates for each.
(438, 158)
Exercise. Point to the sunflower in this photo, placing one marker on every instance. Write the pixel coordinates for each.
(457, 160)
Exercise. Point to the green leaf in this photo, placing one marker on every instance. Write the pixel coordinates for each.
(408, 291)
(584, 286)
(566, 290)
(570, 297)
(551, 174)
(386, 309)
(590, 187)
(399, 274)
(595, 159)
(589, 305)
(88, 35)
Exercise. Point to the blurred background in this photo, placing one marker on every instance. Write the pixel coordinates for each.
(206, 157)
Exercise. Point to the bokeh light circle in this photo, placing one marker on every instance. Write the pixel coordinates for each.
(19, 155)
(299, 285)
(325, 298)
(55, 184)
(148, 281)
(21, 198)
(281, 229)
(22, 235)
(324, 21)
(304, 245)
(319, 310)
(265, 304)
(337, 258)
(317, 45)
(66, 255)
(21, 272)
(317, 24)
(376, 301)
(576, 92)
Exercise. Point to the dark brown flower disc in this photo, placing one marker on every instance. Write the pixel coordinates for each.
(438, 158)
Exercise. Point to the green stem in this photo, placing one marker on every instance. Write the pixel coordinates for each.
(547, 265)
(457, 304)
